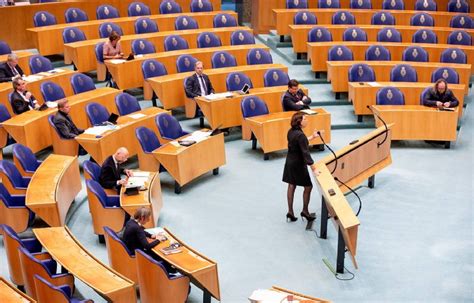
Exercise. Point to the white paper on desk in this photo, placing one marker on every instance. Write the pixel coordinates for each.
(218, 96)
(198, 136)
(32, 78)
(374, 84)
(117, 61)
(155, 230)
(142, 174)
(99, 130)
(267, 296)
(175, 143)
(137, 116)
(51, 104)
(135, 181)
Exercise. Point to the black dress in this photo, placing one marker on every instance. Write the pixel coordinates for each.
(297, 159)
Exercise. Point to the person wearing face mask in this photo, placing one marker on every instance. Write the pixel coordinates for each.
(440, 96)
(10, 69)
(298, 158)
(295, 98)
(111, 170)
(21, 99)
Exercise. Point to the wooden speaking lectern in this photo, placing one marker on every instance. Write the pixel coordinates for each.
(358, 161)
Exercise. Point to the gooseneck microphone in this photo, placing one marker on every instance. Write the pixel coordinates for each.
(384, 124)
(330, 149)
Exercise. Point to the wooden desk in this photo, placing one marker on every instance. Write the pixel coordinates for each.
(227, 112)
(53, 188)
(149, 198)
(263, 20)
(342, 215)
(338, 71)
(23, 60)
(271, 130)
(200, 269)
(418, 122)
(10, 294)
(318, 52)
(185, 164)
(124, 136)
(67, 251)
(31, 128)
(299, 33)
(49, 39)
(61, 78)
(284, 17)
(365, 93)
(21, 17)
(129, 74)
(83, 55)
(170, 88)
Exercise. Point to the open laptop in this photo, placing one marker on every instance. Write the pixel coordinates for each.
(245, 89)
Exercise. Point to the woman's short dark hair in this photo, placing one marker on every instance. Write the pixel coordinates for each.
(142, 212)
(114, 36)
(296, 119)
(438, 82)
(293, 83)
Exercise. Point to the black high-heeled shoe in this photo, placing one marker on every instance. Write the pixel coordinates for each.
(290, 217)
(307, 216)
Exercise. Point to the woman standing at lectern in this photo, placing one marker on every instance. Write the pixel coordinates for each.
(297, 160)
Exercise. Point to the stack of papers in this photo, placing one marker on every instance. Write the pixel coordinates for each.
(374, 84)
(268, 296)
(218, 96)
(198, 136)
(117, 61)
(137, 116)
(155, 230)
(51, 104)
(99, 130)
(138, 179)
(32, 78)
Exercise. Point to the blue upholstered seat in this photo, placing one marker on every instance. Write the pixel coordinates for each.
(197, 6)
(415, 54)
(97, 113)
(208, 39)
(236, 80)
(73, 34)
(425, 36)
(51, 91)
(425, 5)
(82, 83)
(422, 19)
(377, 53)
(390, 96)
(26, 158)
(74, 14)
(106, 11)
(147, 139)
(175, 42)
(393, 5)
(458, 6)
(340, 53)
(361, 73)
(329, 4)
(50, 289)
(354, 34)
(296, 3)
(39, 64)
(447, 73)
(105, 200)
(126, 104)
(142, 46)
(383, 18)
(343, 17)
(252, 106)
(185, 22)
(275, 77)
(185, 63)
(389, 34)
(241, 37)
(93, 169)
(106, 28)
(305, 17)
(361, 4)
(43, 18)
(319, 34)
(169, 126)
(460, 37)
(403, 73)
(461, 21)
(453, 55)
(4, 48)
(224, 20)
(222, 59)
(145, 25)
(138, 9)
(170, 7)
(259, 56)
(9, 170)
(152, 68)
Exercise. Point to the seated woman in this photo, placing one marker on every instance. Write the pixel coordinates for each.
(113, 48)
(135, 236)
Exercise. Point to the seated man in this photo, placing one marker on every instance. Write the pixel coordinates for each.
(10, 69)
(294, 98)
(21, 99)
(63, 121)
(110, 172)
(197, 85)
(440, 96)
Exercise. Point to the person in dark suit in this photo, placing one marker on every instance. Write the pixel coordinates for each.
(199, 83)
(10, 69)
(21, 99)
(295, 98)
(440, 96)
(64, 123)
(110, 172)
(135, 236)
(298, 158)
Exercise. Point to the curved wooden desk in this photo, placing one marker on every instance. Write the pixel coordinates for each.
(49, 39)
(53, 188)
(149, 198)
(338, 71)
(284, 17)
(363, 94)
(68, 252)
(226, 112)
(23, 60)
(318, 52)
(128, 74)
(200, 269)
(271, 130)
(263, 18)
(283, 293)
(101, 147)
(418, 122)
(10, 294)
(83, 55)
(299, 33)
(170, 88)
(31, 128)
(186, 163)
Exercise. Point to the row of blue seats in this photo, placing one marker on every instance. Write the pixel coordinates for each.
(362, 72)
(144, 25)
(384, 18)
(411, 53)
(106, 11)
(389, 34)
(459, 6)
